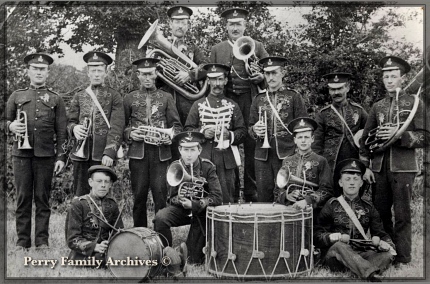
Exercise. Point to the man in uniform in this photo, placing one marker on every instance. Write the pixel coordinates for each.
(179, 208)
(279, 106)
(241, 86)
(86, 235)
(394, 167)
(338, 122)
(338, 236)
(33, 167)
(149, 158)
(103, 107)
(220, 120)
(309, 167)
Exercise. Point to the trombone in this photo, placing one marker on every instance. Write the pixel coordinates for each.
(266, 143)
(87, 123)
(284, 178)
(22, 139)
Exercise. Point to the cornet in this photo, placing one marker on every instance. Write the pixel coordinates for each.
(154, 135)
(221, 145)
(266, 143)
(87, 123)
(285, 177)
(22, 139)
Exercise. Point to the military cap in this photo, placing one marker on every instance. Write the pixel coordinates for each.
(235, 14)
(146, 63)
(337, 79)
(179, 12)
(94, 58)
(394, 63)
(189, 138)
(350, 166)
(302, 124)
(38, 60)
(216, 69)
(103, 169)
(272, 62)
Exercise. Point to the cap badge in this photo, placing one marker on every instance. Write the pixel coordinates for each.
(180, 11)
(146, 63)
(354, 165)
(389, 62)
(190, 137)
(269, 62)
(235, 13)
(40, 59)
(213, 68)
(336, 79)
(95, 57)
(302, 123)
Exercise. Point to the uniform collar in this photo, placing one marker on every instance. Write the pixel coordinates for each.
(94, 87)
(280, 89)
(357, 198)
(196, 166)
(148, 91)
(33, 87)
(222, 96)
(393, 95)
(96, 198)
(305, 155)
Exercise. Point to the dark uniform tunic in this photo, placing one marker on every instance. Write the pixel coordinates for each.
(289, 105)
(334, 219)
(313, 168)
(33, 168)
(395, 168)
(102, 140)
(175, 215)
(148, 163)
(333, 141)
(242, 91)
(209, 111)
(84, 231)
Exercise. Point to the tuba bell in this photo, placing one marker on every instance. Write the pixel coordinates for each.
(244, 49)
(189, 187)
(284, 178)
(171, 63)
(22, 139)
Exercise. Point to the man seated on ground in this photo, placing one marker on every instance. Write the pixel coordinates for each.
(343, 223)
(183, 208)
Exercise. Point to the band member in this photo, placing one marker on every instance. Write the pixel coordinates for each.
(36, 115)
(179, 208)
(394, 167)
(96, 122)
(241, 86)
(336, 232)
(147, 112)
(309, 167)
(86, 235)
(270, 113)
(220, 120)
(179, 25)
(338, 122)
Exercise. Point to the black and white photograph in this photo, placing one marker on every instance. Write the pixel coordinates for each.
(214, 141)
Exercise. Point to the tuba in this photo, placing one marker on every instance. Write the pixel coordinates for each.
(189, 187)
(171, 63)
(244, 49)
(284, 177)
(22, 139)
(81, 143)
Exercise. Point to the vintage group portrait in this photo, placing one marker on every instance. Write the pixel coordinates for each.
(221, 141)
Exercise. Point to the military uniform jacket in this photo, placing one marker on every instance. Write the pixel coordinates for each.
(84, 231)
(223, 53)
(289, 105)
(155, 108)
(402, 151)
(105, 141)
(310, 167)
(46, 122)
(332, 133)
(218, 109)
(205, 169)
(334, 219)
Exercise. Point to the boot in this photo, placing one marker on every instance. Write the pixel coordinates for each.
(183, 253)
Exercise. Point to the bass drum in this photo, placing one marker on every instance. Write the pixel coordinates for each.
(135, 244)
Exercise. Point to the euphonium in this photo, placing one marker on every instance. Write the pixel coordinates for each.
(284, 177)
(22, 139)
(172, 62)
(87, 123)
(154, 135)
(244, 49)
(189, 187)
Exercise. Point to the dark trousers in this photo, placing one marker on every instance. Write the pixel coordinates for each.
(395, 189)
(33, 177)
(244, 101)
(362, 263)
(174, 216)
(146, 173)
(80, 176)
(265, 173)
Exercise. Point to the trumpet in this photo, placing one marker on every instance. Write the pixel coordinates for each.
(221, 145)
(154, 135)
(284, 178)
(266, 144)
(189, 186)
(244, 49)
(22, 139)
(87, 123)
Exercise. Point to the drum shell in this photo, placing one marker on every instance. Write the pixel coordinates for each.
(258, 224)
(140, 242)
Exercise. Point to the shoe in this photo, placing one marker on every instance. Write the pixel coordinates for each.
(372, 277)
(183, 252)
(44, 246)
(398, 264)
(19, 249)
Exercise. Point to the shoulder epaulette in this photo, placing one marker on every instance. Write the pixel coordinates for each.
(25, 89)
(367, 201)
(325, 108)
(332, 199)
(55, 93)
(289, 89)
(208, 161)
(355, 104)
